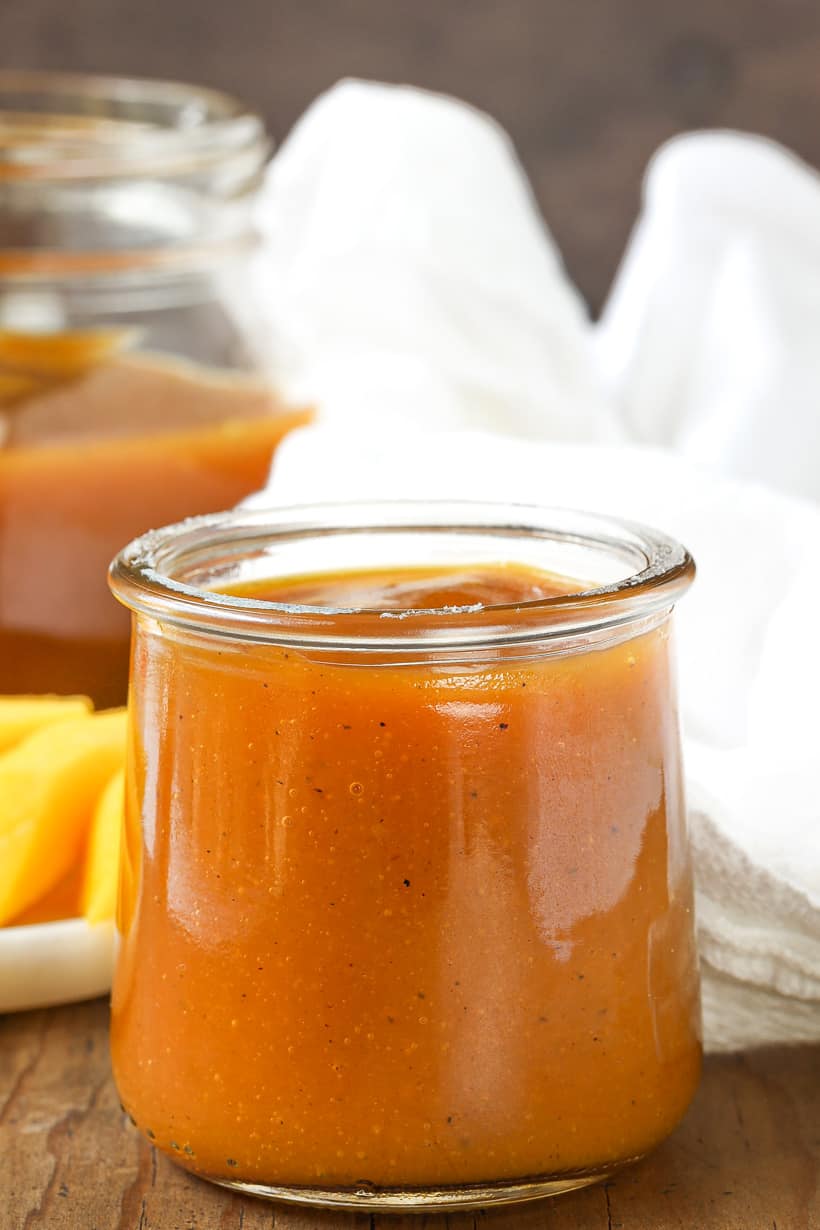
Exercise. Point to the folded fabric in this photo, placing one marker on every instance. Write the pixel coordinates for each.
(411, 275)
(708, 342)
(416, 289)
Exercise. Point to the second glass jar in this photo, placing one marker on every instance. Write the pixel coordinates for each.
(135, 359)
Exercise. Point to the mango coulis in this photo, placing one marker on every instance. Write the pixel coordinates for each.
(407, 925)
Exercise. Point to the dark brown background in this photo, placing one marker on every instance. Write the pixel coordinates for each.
(587, 88)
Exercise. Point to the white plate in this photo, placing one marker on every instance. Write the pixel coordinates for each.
(54, 963)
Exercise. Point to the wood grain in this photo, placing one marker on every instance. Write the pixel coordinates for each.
(747, 1157)
(588, 91)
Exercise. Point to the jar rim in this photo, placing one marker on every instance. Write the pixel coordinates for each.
(147, 576)
(173, 127)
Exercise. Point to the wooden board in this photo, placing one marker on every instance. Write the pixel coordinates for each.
(747, 1157)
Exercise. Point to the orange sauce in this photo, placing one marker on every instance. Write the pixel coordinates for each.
(96, 447)
(409, 925)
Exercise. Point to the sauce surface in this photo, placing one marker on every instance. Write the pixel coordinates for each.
(96, 447)
(419, 924)
(411, 588)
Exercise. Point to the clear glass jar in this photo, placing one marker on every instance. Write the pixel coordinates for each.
(406, 904)
(135, 361)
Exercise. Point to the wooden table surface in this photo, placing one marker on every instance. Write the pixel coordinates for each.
(747, 1157)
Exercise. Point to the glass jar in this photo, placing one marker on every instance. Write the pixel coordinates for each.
(405, 909)
(135, 362)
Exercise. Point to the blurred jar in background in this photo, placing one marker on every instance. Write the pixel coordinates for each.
(135, 366)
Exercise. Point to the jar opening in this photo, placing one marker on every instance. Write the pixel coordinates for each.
(629, 572)
(107, 176)
(63, 126)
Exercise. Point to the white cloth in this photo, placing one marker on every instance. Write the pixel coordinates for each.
(708, 343)
(414, 278)
(415, 287)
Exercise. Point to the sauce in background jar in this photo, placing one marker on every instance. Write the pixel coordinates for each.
(406, 911)
(135, 381)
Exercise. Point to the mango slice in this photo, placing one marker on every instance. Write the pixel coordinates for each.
(22, 715)
(62, 901)
(99, 898)
(49, 786)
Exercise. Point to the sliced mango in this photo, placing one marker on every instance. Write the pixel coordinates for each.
(62, 901)
(22, 715)
(49, 786)
(99, 898)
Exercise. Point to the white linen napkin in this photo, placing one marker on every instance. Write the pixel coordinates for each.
(415, 287)
(411, 276)
(708, 342)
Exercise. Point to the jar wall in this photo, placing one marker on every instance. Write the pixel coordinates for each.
(404, 927)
